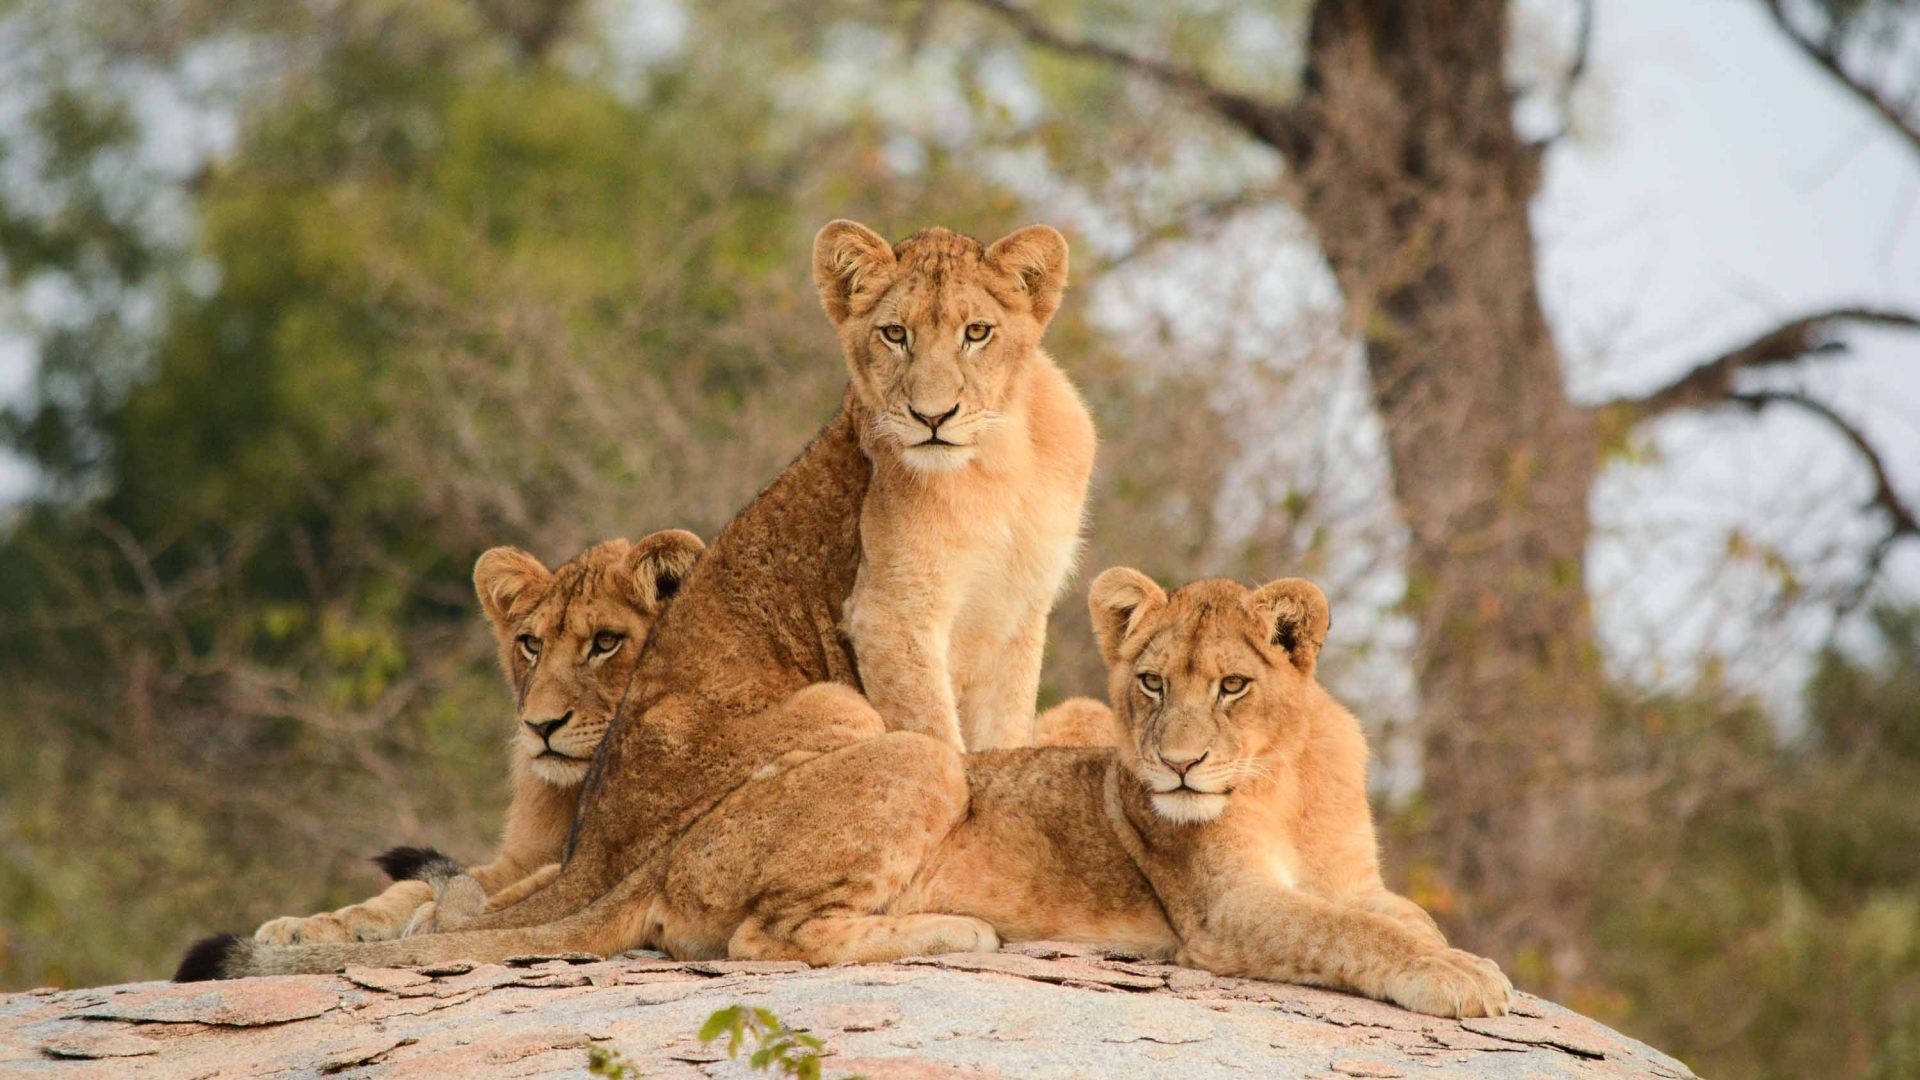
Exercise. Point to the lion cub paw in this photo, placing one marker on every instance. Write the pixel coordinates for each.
(294, 930)
(329, 927)
(958, 933)
(1451, 982)
(326, 928)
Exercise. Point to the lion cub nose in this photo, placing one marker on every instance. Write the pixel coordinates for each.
(1181, 765)
(546, 728)
(933, 422)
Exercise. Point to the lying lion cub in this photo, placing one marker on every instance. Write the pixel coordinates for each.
(568, 639)
(1229, 830)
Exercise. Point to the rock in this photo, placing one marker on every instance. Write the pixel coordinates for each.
(93, 1045)
(1040, 1011)
(393, 979)
(217, 1003)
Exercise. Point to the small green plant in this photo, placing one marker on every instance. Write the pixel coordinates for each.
(778, 1047)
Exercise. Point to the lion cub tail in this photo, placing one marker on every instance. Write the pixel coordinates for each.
(458, 897)
(225, 956)
(418, 864)
(569, 918)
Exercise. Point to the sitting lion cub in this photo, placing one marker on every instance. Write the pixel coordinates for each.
(568, 640)
(981, 451)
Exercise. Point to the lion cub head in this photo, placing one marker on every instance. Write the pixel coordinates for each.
(569, 638)
(937, 329)
(1212, 685)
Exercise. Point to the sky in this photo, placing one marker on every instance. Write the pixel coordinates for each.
(1715, 184)
(1718, 185)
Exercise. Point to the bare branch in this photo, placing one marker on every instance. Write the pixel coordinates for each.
(1903, 520)
(1270, 122)
(1712, 382)
(1824, 52)
(1582, 49)
(1198, 219)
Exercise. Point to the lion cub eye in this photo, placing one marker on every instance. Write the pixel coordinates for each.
(606, 641)
(1233, 684)
(895, 333)
(529, 646)
(1152, 683)
(978, 332)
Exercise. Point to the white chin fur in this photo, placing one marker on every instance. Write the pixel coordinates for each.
(937, 458)
(559, 772)
(1189, 807)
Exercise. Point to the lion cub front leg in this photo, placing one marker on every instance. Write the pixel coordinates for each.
(1403, 911)
(1266, 931)
(899, 629)
(998, 685)
(381, 918)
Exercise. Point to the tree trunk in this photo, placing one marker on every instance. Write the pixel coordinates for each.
(1417, 183)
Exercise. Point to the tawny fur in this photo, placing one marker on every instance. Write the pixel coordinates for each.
(748, 695)
(752, 804)
(612, 591)
(1255, 857)
(1251, 854)
(971, 523)
(1077, 721)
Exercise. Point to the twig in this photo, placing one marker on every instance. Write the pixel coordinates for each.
(1902, 518)
(1825, 55)
(1712, 382)
(1267, 121)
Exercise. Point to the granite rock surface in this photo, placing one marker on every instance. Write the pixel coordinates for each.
(1031, 1011)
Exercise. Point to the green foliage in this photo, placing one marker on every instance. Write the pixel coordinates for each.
(775, 1047)
(771, 1046)
(1757, 911)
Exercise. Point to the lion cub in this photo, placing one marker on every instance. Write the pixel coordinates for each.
(1229, 828)
(981, 451)
(568, 640)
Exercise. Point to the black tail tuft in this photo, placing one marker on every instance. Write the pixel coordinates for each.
(207, 959)
(417, 864)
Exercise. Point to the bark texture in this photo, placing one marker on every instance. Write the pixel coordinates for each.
(1417, 185)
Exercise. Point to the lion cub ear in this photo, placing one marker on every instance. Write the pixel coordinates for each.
(1297, 617)
(1036, 256)
(1118, 600)
(850, 267)
(659, 562)
(506, 579)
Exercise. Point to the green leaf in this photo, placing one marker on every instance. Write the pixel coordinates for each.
(720, 1022)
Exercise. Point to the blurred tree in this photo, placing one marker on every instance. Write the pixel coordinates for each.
(1758, 915)
(1402, 154)
(454, 285)
(440, 274)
